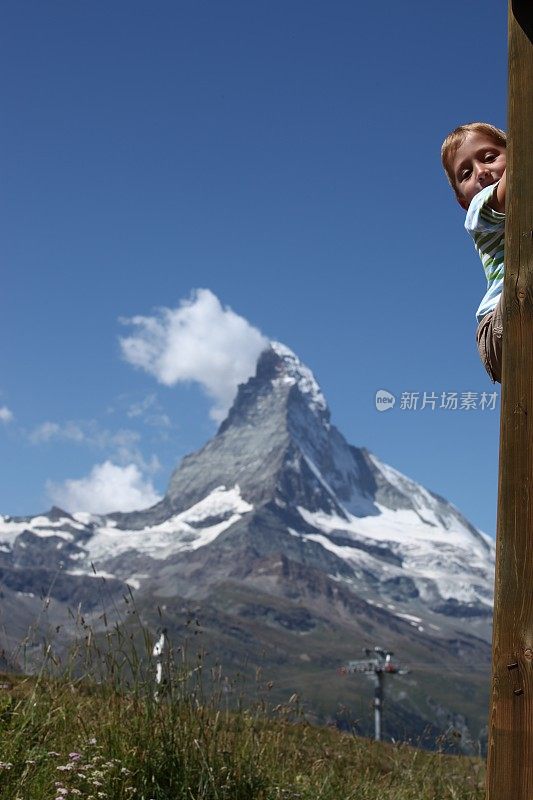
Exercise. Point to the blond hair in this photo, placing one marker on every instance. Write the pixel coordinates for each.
(455, 139)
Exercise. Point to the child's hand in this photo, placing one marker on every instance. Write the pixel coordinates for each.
(498, 198)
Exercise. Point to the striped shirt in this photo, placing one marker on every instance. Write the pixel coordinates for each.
(487, 228)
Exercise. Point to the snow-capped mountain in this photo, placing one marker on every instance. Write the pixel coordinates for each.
(278, 520)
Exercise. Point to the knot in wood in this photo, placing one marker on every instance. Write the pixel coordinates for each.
(528, 654)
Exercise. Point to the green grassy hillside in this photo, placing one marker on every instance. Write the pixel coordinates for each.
(116, 734)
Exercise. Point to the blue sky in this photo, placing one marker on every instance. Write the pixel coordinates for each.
(283, 157)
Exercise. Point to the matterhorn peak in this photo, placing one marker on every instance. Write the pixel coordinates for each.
(295, 372)
(281, 384)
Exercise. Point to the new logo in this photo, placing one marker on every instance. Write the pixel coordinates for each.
(384, 400)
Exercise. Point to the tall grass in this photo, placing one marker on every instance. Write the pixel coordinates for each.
(95, 724)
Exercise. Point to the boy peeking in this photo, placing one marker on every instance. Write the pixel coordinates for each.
(474, 159)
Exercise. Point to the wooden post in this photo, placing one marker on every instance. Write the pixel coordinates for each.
(510, 761)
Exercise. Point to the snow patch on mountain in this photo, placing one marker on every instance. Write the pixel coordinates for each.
(220, 501)
(180, 532)
(40, 526)
(450, 560)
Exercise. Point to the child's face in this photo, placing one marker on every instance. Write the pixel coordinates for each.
(478, 162)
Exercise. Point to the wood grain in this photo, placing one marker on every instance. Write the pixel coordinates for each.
(510, 762)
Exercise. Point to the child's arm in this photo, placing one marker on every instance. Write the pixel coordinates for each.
(498, 198)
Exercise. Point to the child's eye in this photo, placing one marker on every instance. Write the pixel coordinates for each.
(464, 174)
(490, 156)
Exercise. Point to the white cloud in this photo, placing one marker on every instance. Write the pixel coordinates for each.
(158, 420)
(86, 432)
(199, 341)
(109, 487)
(46, 431)
(149, 411)
(140, 408)
(120, 447)
(6, 415)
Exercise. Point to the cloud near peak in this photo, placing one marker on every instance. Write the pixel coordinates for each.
(6, 415)
(200, 341)
(108, 487)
